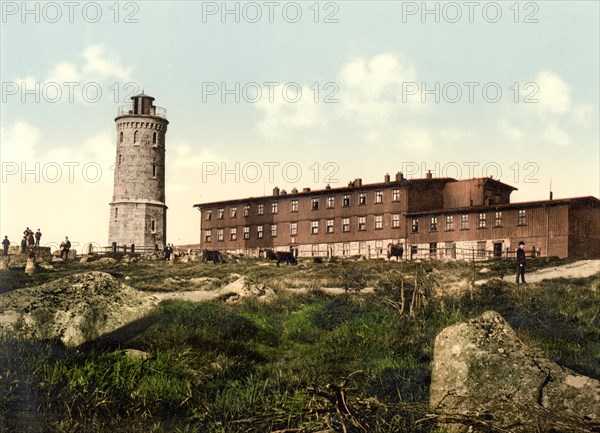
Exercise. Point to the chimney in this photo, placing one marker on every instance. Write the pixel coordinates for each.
(429, 175)
(294, 190)
(305, 189)
(350, 184)
(551, 195)
(358, 182)
(386, 178)
(276, 190)
(283, 192)
(328, 186)
(399, 176)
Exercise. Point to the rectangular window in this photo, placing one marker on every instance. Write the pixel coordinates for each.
(314, 227)
(153, 170)
(362, 223)
(314, 250)
(273, 230)
(315, 203)
(219, 235)
(379, 197)
(433, 249)
(261, 209)
(345, 224)
(153, 226)
(233, 212)
(208, 215)
(329, 226)
(331, 202)
(293, 229)
(451, 249)
(247, 210)
(481, 221)
(346, 200)
(449, 222)
(207, 235)
(395, 195)
(480, 248)
(346, 249)
(464, 222)
(116, 213)
(433, 224)
(259, 232)
(221, 213)
(362, 199)
(415, 225)
(522, 218)
(274, 208)
(246, 232)
(395, 220)
(497, 219)
(413, 251)
(378, 222)
(362, 248)
(294, 205)
(233, 233)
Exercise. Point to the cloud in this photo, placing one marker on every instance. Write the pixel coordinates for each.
(510, 131)
(19, 142)
(100, 64)
(281, 117)
(556, 136)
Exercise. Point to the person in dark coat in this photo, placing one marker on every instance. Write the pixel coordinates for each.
(38, 236)
(5, 245)
(24, 245)
(521, 261)
(65, 247)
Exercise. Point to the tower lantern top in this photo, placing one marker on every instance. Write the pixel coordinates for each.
(143, 104)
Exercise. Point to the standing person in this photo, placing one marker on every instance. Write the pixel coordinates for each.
(38, 236)
(521, 261)
(5, 245)
(65, 247)
(167, 252)
(24, 245)
(30, 239)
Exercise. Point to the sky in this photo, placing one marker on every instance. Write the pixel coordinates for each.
(292, 94)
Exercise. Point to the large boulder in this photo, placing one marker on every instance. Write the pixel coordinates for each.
(485, 379)
(74, 309)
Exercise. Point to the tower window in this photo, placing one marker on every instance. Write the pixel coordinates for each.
(154, 137)
(116, 213)
(153, 170)
(120, 159)
(153, 226)
(121, 137)
(136, 137)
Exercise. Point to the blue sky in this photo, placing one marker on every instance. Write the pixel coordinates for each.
(374, 62)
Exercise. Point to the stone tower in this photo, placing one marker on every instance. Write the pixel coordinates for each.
(138, 213)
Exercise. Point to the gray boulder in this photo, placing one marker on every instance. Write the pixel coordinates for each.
(485, 379)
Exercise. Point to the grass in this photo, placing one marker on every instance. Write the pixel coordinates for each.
(254, 367)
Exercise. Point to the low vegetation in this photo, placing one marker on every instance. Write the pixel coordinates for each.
(304, 362)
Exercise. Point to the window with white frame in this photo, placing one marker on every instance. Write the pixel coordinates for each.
(464, 222)
(207, 236)
(246, 232)
(314, 227)
(522, 218)
(497, 219)
(481, 221)
(331, 202)
(346, 200)
(362, 223)
(274, 207)
(293, 229)
(362, 198)
(396, 195)
(329, 226)
(233, 212)
(414, 227)
(345, 224)
(273, 230)
(433, 224)
(395, 220)
(221, 213)
(449, 222)
(247, 210)
(219, 235)
(261, 209)
(233, 233)
(379, 197)
(346, 249)
(260, 231)
(378, 222)
(294, 206)
(208, 216)
(315, 204)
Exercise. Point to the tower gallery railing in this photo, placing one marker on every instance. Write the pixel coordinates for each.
(127, 109)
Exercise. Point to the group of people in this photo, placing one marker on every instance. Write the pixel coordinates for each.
(31, 240)
(168, 251)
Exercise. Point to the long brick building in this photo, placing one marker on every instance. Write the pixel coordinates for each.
(430, 217)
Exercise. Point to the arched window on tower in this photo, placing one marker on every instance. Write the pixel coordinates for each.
(120, 159)
(121, 137)
(154, 138)
(153, 170)
(136, 137)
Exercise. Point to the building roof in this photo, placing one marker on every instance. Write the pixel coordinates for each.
(408, 183)
(520, 205)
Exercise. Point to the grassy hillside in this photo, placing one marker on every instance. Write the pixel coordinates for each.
(305, 362)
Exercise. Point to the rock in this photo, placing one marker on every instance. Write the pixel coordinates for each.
(137, 354)
(30, 266)
(484, 270)
(74, 309)
(57, 259)
(46, 266)
(482, 371)
(3, 266)
(107, 260)
(185, 259)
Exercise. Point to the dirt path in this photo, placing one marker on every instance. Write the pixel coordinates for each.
(579, 269)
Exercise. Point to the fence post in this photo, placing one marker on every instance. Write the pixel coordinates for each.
(114, 248)
(132, 248)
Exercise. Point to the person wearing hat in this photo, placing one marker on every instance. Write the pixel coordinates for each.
(521, 262)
